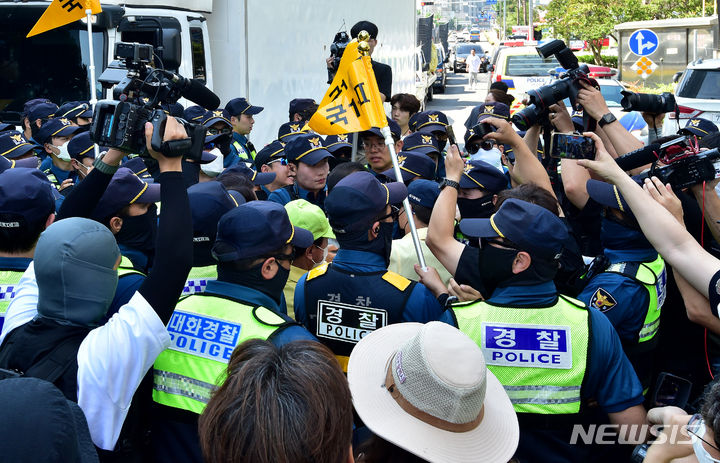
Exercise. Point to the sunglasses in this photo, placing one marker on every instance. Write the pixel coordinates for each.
(224, 131)
(282, 161)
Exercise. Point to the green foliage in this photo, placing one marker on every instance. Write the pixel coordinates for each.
(638, 86)
(607, 60)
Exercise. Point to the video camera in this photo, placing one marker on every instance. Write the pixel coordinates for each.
(139, 90)
(645, 102)
(337, 47)
(566, 87)
(685, 165)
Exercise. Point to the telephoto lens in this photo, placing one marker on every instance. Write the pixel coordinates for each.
(527, 117)
(649, 103)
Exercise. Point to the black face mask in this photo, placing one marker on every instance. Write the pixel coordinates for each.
(223, 144)
(139, 232)
(383, 243)
(252, 278)
(495, 266)
(480, 208)
(442, 144)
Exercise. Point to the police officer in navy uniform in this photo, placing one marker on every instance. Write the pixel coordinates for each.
(308, 160)
(356, 294)
(54, 135)
(253, 250)
(36, 113)
(241, 117)
(27, 207)
(628, 281)
(14, 146)
(289, 130)
(551, 353)
(78, 112)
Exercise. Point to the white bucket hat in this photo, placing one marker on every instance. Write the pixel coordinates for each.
(426, 388)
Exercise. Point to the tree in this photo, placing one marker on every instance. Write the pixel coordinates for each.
(592, 21)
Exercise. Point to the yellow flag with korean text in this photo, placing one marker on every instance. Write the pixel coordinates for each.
(352, 103)
(61, 12)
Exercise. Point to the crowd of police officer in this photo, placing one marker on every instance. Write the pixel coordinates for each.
(128, 281)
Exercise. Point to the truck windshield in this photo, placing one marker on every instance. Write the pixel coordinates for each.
(51, 65)
(700, 83)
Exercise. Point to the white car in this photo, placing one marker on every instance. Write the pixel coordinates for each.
(697, 95)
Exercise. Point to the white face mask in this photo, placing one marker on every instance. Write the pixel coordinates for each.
(493, 156)
(214, 168)
(63, 155)
(701, 454)
(325, 251)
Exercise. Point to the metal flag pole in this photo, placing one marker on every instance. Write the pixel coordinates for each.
(93, 81)
(406, 202)
(353, 156)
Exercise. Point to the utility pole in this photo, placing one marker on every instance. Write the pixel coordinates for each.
(531, 34)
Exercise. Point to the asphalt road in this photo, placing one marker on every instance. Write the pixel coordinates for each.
(458, 100)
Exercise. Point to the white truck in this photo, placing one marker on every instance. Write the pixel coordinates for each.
(269, 51)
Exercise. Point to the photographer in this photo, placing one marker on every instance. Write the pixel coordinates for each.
(383, 72)
(62, 298)
(667, 236)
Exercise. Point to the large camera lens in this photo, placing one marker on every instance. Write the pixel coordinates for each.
(550, 94)
(527, 117)
(645, 102)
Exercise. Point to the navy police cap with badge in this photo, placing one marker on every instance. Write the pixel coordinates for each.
(256, 229)
(394, 130)
(307, 148)
(271, 152)
(430, 121)
(480, 174)
(699, 127)
(532, 228)
(289, 130)
(358, 199)
(607, 195)
(26, 194)
(14, 145)
(423, 193)
(56, 127)
(413, 165)
(238, 106)
(337, 142)
(30, 103)
(125, 188)
(300, 105)
(495, 109)
(421, 143)
(73, 109)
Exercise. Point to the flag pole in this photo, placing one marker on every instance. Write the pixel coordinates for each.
(353, 156)
(406, 202)
(93, 80)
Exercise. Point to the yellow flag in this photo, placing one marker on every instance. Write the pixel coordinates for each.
(61, 12)
(352, 103)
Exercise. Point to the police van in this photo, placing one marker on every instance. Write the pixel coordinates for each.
(522, 69)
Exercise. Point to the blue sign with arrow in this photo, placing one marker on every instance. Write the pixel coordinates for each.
(643, 42)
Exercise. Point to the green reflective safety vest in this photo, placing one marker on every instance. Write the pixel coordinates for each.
(198, 279)
(51, 178)
(9, 280)
(244, 154)
(539, 355)
(653, 276)
(126, 268)
(204, 331)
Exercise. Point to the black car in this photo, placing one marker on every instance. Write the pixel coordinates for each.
(462, 51)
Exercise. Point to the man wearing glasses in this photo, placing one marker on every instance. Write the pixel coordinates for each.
(377, 153)
(272, 159)
(254, 250)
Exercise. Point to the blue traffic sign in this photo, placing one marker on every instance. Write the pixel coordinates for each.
(643, 42)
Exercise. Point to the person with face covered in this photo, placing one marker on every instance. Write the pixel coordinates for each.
(356, 294)
(54, 327)
(628, 282)
(253, 250)
(217, 142)
(550, 352)
(54, 135)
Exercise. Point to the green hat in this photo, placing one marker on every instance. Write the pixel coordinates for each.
(310, 217)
